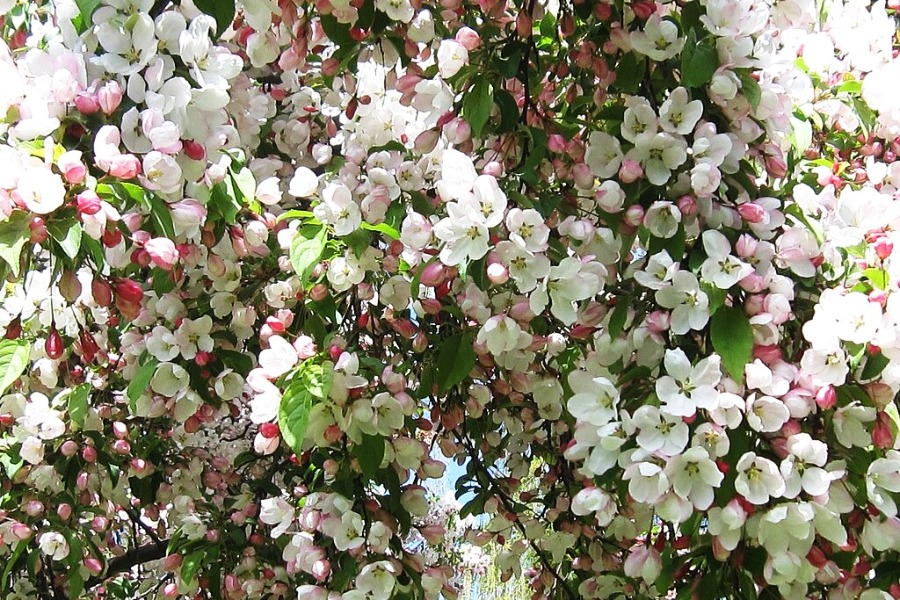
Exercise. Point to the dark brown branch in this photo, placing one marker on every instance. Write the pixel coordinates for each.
(158, 7)
(132, 558)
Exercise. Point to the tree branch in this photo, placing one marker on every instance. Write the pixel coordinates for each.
(507, 504)
(132, 558)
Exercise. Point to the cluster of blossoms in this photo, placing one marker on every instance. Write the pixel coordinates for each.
(271, 265)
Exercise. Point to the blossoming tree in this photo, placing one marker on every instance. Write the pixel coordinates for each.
(271, 265)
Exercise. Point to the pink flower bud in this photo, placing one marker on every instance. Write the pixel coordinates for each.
(71, 166)
(125, 166)
(431, 306)
(433, 274)
(34, 508)
(882, 435)
(321, 569)
(408, 82)
(420, 342)
(21, 531)
(493, 168)
(643, 9)
(583, 176)
(318, 292)
(64, 511)
(69, 448)
(630, 171)
(121, 447)
(776, 165)
(162, 252)
(93, 565)
(38, 230)
(69, 285)
(753, 283)
(139, 466)
(688, 206)
(634, 215)
(659, 321)
(468, 38)
(458, 131)
(109, 97)
(826, 397)
(883, 247)
(99, 523)
(521, 311)
(172, 562)
(86, 103)
(752, 212)
(120, 430)
(88, 203)
(524, 24)
(497, 273)
(556, 143)
(193, 150)
(746, 245)
(128, 290)
(427, 140)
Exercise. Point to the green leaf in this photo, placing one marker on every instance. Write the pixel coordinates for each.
(618, 317)
(732, 338)
(802, 134)
(370, 453)
(358, 241)
(629, 72)
(14, 233)
(162, 218)
(223, 203)
(509, 111)
(852, 86)
(240, 362)
(307, 249)
(78, 404)
(690, 15)
(455, 360)
(11, 562)
(312, 382)
(191, 565)
(141, 380)
(245, 184)
(163, 282)
(87, 8)
(67, 234)
(11, 462)
(75, 581)
(878, 277)
(716, 296)
(698, 62)
(14, 356)
(477, 104)
(750, 88)
(384, 228)
(220, 10)
(874, 366)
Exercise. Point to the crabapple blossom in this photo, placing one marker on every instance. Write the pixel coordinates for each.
(270, 267)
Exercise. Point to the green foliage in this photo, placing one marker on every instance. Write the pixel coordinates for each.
(732, 338)
(220, 10)
(312, 382)
(307, 249)
(14, 355)
(14, 233)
